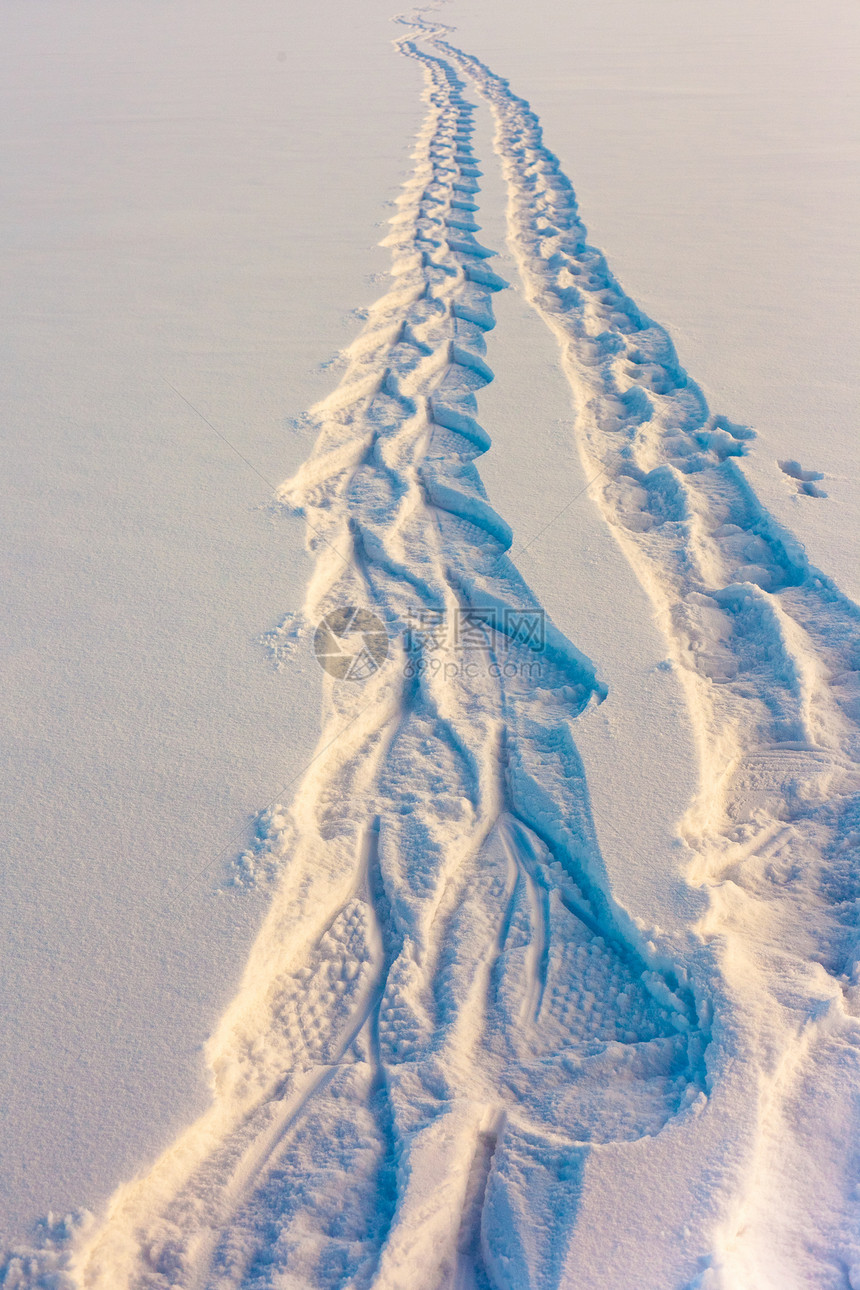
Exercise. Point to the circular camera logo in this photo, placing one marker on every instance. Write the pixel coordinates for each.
(351, 643)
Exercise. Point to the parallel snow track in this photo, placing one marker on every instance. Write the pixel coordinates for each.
(445, 1013)
(443, 1007)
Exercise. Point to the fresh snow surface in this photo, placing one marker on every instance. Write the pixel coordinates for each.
(192, 195)
(556, 982)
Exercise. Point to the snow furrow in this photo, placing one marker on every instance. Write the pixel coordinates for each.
(443, 1005)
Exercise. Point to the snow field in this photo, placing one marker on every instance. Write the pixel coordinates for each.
(456, 1057)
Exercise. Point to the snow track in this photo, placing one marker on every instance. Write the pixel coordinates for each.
(445, 1012)
(768, 650)
(442, 1000)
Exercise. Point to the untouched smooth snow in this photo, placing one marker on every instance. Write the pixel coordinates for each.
(169, 181)
(556, 985)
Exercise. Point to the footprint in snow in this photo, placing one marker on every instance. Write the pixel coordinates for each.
(805, 479)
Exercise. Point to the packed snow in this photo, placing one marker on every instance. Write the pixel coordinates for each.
(533, 961)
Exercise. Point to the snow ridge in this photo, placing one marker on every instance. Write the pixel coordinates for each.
(443, 1008)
